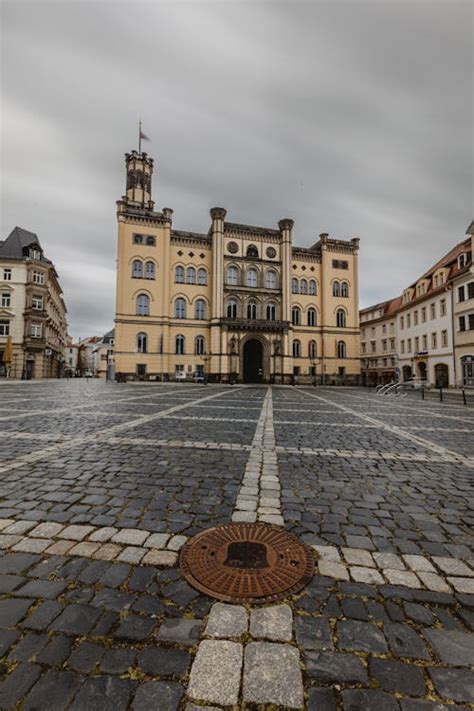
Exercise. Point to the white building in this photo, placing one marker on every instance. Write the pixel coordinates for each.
(103, 353)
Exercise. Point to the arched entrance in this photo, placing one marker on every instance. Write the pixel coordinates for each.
(422, 370)
(442, 375)
(407, 374)
(253, 361)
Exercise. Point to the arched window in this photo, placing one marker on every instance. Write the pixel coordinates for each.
(150, 270)
(179, 275)
(252, 251)
(202, 276)
(232, 275)
(200, 309)
(231, 308)
(271, 312)
(294, 286)
(199, 345)
(344, 288)
(252, 310)
(180, 308)
(335, 289)
(311, 317)
(143, 305)
(341, 349)
(341, 318)
(312, 350)
(313, 289)
(179, 345)
(142, 343)
(190, 275)
(296, 349)
(303, 286)
(295, 316)
(137, 269)
(252, 277)
(271, 279)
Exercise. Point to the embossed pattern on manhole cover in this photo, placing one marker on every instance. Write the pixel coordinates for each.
(247, 562)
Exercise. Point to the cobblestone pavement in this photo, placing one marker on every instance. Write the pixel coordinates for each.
(101, 485)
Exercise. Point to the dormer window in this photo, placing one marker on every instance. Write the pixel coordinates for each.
(35, 254)
(462, 260)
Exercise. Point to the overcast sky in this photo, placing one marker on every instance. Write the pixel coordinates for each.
(353, 118)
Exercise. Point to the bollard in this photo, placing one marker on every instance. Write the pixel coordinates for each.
(440, 394)
(464, 396)
(422, 392)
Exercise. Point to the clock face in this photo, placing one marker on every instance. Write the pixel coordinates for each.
(271, 252)
(232, 247)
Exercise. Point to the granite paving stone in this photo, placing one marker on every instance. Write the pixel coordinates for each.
(272, 675)
(227, 621)
(158, 696)
(215, 673)
(275, 623)
(453, 684)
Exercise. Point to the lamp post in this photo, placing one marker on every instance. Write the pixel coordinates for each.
(206, 357)
(233, 360)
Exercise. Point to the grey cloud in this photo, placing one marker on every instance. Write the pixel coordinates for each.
(352, 117)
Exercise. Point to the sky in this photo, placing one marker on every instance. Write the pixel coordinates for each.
(352, 117)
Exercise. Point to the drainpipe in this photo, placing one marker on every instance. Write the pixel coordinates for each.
(450, 287)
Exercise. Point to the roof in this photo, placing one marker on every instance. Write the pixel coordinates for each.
(13, 246)
(235, 227)
(109, 336)
(447, 260)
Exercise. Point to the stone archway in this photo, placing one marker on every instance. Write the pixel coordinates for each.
(253, 361)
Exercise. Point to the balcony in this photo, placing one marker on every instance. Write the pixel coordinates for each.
(245, 324)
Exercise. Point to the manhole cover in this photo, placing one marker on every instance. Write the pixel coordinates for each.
(246, 562)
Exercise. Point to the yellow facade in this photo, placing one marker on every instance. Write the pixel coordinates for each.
(238, 303)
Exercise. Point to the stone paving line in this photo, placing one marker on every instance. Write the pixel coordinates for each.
(427, 444)
(101, 434)
(259, 495)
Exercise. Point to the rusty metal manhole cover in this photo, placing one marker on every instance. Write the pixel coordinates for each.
(247, 562)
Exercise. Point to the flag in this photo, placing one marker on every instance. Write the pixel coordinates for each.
(143, 137)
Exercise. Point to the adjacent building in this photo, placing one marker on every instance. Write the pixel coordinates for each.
(103, 352)
(32, 309)
(237, 302)
(428, 331)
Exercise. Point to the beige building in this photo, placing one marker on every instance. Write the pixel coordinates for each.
(463, 310)
(378, 330)
(32, 309)
(235, 303)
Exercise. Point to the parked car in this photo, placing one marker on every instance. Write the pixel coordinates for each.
(417, 383)
(180, 375)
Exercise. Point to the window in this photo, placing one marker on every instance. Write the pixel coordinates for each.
(462, 323)
(312, 349)
(432, 311)
(415, 318)
(384, 328)
(313, 289)
(384, 344)
(202, 276)
(271, 279)
(408, 320)
(190, 275)
(444, 339)
(150, 270)
(295, 316)
(232, 309)
(232, 274)
(252, 277)
(252, 251)
(341, 349)
(417, 344)
(442, 305)
(271, 312)
(252, 310)
(143, 305)
(142, 342)
(471, 322)
(200, 309)
(6, 300)
(199, 345)
(402, 323)
(341, 318)
(179, 345)
(344, 289)
(180, 308)
(402, 346)
(409, 345)
(4, 328)
(296, 349)
(434, 340)
(336, 291)
(425, 343)
(294, 286)
(179, 275)
(36, 330)
(311, 317)
(150, 241)
(363, 348)
(38, 278)
(470, 290)
(137, 269)
(137, 239)
(423, 314)
(7, 274)
(372, 346)
(37, 303)
(303, 286)
(461, 296)
(462, 261)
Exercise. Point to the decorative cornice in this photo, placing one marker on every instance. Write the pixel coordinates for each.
(218, 213)
(286, 224)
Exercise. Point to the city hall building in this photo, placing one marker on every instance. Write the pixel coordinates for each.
(238, 303)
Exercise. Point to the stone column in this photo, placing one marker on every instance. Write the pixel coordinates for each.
(286, 227)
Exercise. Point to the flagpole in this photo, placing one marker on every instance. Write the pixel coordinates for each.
(139, 137)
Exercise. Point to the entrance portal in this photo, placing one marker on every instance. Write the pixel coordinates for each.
(253, 361)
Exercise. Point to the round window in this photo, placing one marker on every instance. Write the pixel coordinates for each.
(232, 247)
(271, 252)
